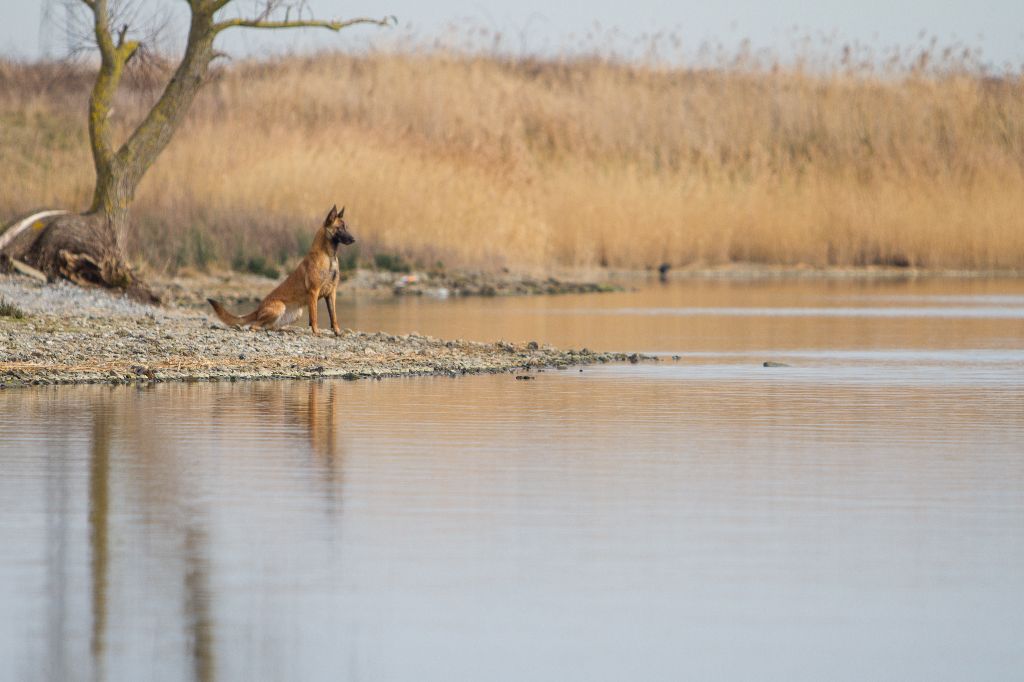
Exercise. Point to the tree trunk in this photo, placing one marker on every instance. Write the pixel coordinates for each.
(113, 194)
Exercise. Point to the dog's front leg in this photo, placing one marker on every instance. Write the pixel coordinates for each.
(313, 298)
(333, 313)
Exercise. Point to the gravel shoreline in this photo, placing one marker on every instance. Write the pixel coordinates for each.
(72, 335)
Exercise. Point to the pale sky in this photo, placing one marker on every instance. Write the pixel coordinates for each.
(994, 26)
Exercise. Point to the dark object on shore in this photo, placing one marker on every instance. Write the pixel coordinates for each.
(663, 271)
(8, 264)
(84, 249)
(775, 364)
(524, 377)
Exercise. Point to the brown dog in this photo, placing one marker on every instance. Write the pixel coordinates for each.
(316, 277)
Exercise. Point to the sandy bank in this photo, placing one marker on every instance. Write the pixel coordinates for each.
(73, 335)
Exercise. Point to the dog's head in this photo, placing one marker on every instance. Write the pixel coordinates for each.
(337, 230)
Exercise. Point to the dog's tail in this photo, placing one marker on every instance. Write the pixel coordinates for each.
(229, 319)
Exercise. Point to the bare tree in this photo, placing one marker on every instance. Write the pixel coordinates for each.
(89, 248)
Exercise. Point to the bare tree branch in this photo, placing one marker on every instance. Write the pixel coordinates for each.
(335, 25)
(103, 90)
(101, 27)
(269, 6)
(113, 57)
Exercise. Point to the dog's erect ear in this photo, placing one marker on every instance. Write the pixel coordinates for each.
(331, 216)
(341, 213)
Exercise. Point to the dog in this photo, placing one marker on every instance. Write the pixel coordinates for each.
(316, 277)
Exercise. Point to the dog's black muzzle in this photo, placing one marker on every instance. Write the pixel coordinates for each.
(345, 239)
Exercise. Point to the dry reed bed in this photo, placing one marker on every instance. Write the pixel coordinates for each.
(483, 161)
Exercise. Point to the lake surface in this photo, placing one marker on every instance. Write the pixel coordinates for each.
(856, 515)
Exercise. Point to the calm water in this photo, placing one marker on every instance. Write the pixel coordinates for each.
(857, 515)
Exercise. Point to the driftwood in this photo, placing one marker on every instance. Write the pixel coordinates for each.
(8, 264)
(37, 220)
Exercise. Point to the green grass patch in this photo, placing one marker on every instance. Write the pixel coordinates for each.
(257, 265)
(391, 263)
(8, 309)
(348, 259)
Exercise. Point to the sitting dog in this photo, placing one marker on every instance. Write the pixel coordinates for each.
(316, 277)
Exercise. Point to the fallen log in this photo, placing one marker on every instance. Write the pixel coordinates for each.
(8, 264)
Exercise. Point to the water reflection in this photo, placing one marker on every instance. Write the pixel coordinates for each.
(728, 315)
(128, 511)
(316, 412)
(198, 597)
(99, 512)
(857, 514)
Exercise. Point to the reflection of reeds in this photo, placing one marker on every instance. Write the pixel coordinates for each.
(484, 160)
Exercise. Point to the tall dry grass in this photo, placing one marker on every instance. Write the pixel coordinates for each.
(479, 160)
